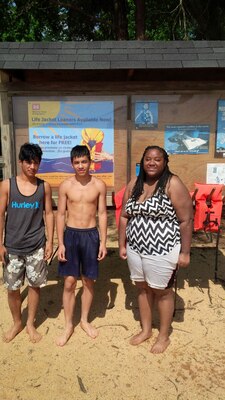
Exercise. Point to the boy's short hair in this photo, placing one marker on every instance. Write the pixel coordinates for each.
(30, 152)
(80, 151)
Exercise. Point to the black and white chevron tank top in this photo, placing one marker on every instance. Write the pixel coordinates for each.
(153, 228)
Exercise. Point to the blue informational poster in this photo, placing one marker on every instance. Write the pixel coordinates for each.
(187, 139)
(220, 133)
(137, 169)
(146, 114)
(57, 126)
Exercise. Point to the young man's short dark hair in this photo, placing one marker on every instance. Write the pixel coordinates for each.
(30, 152)
(80, 151)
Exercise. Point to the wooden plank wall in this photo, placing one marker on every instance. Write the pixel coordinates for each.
(175, 107)
(193, 109)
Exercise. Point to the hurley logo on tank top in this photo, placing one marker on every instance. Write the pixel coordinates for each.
(24, 204)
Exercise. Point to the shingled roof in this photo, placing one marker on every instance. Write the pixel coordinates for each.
(112, 55)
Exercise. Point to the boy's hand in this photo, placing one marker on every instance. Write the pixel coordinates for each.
(62, 253)
(48, 250)
(102, 252)
(3, 254)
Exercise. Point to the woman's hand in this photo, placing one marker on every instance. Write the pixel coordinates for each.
(183, 260)
(123, 252)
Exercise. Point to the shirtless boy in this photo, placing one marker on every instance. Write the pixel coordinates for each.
(80, 247)
(24, 251)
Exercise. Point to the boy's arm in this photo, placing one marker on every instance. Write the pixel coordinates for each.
(49, 221)
(102, 221)
(60, 222)
(4, 193)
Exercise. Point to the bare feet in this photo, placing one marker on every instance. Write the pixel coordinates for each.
(63, 339)
(34, 336)
(89, 329)
(160, 346)
(12, 332)
(140, 337)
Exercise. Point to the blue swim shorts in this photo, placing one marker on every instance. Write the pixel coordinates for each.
(82, 247)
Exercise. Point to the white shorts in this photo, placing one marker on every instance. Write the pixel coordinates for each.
(158, 271)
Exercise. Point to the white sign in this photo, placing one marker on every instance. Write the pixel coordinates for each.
(216, 173)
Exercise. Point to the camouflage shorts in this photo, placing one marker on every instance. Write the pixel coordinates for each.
(33, 267)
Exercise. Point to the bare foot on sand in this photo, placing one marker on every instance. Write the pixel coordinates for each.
(89, 329)
(140, 337)
(12, 332)
(160, 346)
(63, 339)
(34, 336)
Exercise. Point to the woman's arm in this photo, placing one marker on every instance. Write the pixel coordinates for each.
(183, 206)
(123, 221)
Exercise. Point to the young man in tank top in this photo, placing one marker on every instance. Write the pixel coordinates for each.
(24, 251)
(80, 247)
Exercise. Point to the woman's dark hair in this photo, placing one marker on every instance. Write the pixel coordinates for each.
(30, 152)
(80, 151)
(164, 178)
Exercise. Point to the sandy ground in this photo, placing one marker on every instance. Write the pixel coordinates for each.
(109, 368)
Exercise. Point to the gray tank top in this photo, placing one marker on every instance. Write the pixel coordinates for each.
(24, 228)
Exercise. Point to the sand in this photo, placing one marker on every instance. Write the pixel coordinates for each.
(108, 367)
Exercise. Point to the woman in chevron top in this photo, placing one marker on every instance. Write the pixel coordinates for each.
(155, 237)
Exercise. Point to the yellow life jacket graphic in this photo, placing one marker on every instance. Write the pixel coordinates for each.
(93, 139)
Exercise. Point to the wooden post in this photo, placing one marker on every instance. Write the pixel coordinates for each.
(6, 129)
(129, 137)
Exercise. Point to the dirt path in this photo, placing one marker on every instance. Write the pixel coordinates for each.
(108, 368)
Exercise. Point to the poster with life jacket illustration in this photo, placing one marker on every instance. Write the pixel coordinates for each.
(57, 126)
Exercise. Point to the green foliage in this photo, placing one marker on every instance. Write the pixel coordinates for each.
(63, 20)
(131, 19)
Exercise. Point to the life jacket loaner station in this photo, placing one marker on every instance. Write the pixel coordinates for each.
(116, 97)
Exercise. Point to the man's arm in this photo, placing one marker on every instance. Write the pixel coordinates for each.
(102, 220)
(60, 221)
(49, 221)
(4, 193)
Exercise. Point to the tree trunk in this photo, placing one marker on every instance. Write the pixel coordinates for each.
(140, 19)
(120, 20)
